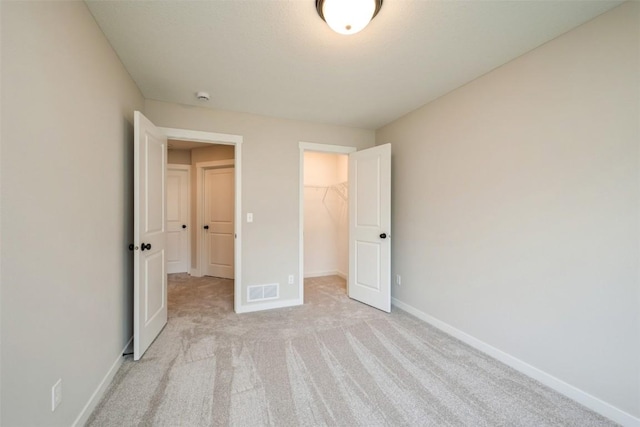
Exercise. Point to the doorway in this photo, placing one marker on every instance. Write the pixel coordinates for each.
(324, 219)
(210, 208)
(200, 151)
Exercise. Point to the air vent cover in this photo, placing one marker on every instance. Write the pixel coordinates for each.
(263, 292)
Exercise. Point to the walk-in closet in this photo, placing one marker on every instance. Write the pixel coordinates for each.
(326, 219)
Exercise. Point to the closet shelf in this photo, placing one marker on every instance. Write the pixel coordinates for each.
(341, 189)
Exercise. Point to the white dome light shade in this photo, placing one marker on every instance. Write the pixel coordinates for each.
(348, 16)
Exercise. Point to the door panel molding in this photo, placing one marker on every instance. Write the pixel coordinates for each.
(220, 226)
(370, 226)
(149, 232)
(200, 241)
(183, 244)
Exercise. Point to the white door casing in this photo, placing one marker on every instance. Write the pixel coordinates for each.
(370, 226)
(150, 277)
(178, 229)
(219, 222)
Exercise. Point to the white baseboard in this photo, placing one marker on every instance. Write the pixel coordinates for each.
(84, 415)
(195, 272)
(320, 274)
(574, 393)
(249, 308)
(325, 273)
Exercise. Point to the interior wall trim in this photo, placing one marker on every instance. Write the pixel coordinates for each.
(250, 308)
(595, 404)
(97, 395)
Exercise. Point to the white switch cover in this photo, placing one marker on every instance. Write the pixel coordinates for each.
(249, 217)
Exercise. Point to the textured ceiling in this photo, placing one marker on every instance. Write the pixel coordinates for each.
(278, 58)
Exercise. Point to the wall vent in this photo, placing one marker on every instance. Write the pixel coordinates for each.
(263, 292)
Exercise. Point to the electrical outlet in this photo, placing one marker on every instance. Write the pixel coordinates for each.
(249, 217)
(56, 394)
(398, 280)
(291, 279)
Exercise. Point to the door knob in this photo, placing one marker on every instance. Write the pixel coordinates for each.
(184, 226)
(206, 227)
(145, 246)
(383, 236)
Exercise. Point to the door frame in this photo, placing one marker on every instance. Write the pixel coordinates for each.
(177, 166)
(236, 141)
(201, 167)
(318, 148)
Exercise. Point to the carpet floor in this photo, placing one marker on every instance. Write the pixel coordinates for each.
(332, 361)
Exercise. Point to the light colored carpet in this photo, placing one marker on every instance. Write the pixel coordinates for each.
(331, 362)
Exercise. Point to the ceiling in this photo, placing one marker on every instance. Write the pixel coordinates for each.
(278, 58)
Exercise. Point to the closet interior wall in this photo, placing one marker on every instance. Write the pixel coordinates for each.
(326, 204)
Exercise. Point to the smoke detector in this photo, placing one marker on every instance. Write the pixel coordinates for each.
(203, 96)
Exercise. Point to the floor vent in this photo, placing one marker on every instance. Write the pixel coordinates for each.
(263, 292)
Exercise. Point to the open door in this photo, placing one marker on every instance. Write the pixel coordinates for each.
(150, 276)
(370, 226)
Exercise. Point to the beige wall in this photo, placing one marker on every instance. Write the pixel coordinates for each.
(179, 157)
(67, 109)
(516, 208)
(212, 153)
(270, 180)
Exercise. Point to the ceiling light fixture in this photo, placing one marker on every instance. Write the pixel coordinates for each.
(348, 16)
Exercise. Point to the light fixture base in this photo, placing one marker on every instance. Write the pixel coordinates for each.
(345, 27)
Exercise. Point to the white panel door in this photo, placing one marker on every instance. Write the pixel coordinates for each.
(370, 226)
(177, 219)
(150, 277)
(218, 222)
